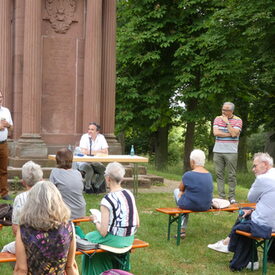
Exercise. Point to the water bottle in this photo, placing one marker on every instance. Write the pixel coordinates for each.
(132, 151)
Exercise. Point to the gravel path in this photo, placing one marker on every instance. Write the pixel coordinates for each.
(168, 187)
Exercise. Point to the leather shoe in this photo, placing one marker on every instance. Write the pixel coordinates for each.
(7, 198)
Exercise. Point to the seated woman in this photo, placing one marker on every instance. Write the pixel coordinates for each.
(45, 242)
(119, 221)
(69, 182)
(196, 189)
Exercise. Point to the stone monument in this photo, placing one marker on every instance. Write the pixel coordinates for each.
(57, 72)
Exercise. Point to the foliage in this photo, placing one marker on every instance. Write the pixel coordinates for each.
(200, 53)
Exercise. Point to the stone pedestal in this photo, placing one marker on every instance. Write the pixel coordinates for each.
(31, 146)
(114, 145)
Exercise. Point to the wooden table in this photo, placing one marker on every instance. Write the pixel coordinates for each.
(111, 158)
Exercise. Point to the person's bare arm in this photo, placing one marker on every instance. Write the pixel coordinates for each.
(232, 131)
(102, 226)
(14, 229)
(219, 133)
(71, 265)
(102, 151)
(21, 267)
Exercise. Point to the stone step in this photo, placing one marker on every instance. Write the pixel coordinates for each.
(17, 172)
(142, 182)
(155, 180)
(129, 170)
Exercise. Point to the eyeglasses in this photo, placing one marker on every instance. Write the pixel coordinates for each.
(225, 110)
(255, 165)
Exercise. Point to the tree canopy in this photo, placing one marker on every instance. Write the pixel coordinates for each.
(201, 53)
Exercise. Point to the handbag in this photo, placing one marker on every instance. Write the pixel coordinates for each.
(220, 203)
(83, 244)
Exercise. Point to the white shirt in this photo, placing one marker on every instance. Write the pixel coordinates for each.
(99, 143)
(5, 113)
(18, 204)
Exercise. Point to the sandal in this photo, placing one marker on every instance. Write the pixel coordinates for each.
(182, 235)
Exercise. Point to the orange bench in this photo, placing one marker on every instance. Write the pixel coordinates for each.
(8, 257)
(262, 243)
(176, 214)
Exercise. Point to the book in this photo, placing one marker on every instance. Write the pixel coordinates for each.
(97, 213)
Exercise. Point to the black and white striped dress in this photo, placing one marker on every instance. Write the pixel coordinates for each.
(123, 212)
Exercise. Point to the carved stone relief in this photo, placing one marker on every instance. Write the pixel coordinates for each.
(60, 13)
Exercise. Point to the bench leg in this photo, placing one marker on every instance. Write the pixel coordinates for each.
(171, 220)
(265, 251)
(179, 228)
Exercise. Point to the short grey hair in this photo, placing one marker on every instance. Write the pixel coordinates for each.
(44, 208)
(198, 157)
(263, 157)
(115, 171)
(232, 105)
(31, 173)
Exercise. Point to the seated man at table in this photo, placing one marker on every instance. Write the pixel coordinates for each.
(93, 143)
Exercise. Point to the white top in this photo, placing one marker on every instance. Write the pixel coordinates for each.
(18, 204)
(5, 113)
(99, 143)
(123, 212)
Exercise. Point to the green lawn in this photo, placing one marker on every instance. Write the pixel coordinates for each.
(164, 257)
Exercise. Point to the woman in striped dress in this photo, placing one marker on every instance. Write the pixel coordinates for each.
(118, 224)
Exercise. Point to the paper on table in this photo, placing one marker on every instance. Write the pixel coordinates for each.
(97, 213)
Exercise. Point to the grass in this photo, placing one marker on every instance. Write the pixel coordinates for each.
(164, 257)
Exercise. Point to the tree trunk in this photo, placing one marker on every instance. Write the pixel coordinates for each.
(161, 148)
(188, 145)
(242, 149)
(270, 144)
(242, 152)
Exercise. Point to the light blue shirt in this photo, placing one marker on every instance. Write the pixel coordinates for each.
(262, 192)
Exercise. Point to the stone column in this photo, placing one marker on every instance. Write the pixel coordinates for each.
(92, 63)
(18, 66)
(30, 144)
(5, 52)
(109, 74)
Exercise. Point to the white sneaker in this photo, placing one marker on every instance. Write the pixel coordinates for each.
(219, 246)
(255, 265)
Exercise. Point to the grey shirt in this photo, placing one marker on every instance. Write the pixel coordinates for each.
(69, 183)
(262, 192)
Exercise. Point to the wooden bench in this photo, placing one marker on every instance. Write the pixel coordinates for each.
(8, 257)
(80, 220)
(176, 214)
(265, 244)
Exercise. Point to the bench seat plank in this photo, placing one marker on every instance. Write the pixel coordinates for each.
(176, 214)
(8, 257)
(177, 210)
(265, 244)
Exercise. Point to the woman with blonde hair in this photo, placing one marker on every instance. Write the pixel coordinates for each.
(45, 241)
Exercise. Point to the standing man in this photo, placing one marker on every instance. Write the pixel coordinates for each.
(226, 129)
(5, 124)
(93, 143)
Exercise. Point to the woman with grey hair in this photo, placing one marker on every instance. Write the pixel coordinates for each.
(196, 189)
(45, 241)
(118, 224)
